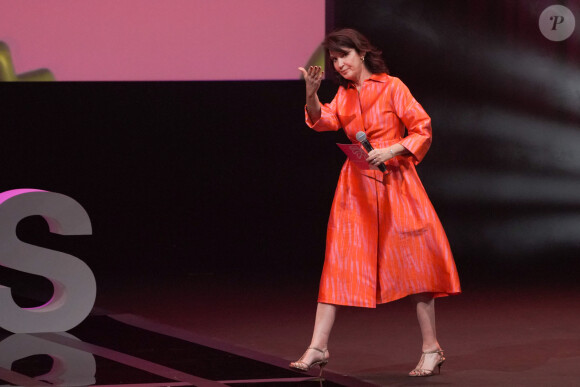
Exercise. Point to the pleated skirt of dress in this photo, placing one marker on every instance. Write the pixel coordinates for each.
(384, 240)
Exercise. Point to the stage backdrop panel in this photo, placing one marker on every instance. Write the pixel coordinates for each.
(163, 40)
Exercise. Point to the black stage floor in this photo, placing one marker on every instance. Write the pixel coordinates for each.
(212, 331)
(107, 350)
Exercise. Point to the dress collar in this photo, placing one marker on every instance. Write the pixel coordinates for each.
(382, 77)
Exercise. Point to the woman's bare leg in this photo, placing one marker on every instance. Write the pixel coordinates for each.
(325, 315)
(426, 316)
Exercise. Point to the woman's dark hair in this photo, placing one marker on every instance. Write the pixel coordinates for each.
(348, 38)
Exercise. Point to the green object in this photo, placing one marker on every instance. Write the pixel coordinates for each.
(317, 58)
(7, 73)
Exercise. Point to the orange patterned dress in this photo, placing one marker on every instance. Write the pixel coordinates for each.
(384, 239)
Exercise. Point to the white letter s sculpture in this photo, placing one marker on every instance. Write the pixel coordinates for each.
(74, 284)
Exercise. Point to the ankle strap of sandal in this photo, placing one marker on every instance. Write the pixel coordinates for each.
(322, 351)
(435, 351)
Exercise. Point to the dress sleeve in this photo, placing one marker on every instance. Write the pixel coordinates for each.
(328, 120)
(416, 120)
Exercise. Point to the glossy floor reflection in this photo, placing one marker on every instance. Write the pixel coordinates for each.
(127, 350)
(513, 334)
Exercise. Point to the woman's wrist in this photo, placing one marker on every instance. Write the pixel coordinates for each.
(398, 150)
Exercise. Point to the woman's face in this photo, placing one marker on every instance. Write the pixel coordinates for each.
(349, 65)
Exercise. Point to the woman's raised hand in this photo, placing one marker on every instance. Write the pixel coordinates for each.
(313, 78)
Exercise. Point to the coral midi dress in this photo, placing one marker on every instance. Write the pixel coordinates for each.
(384, 239)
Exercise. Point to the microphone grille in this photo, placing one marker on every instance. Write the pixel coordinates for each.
(361, 136)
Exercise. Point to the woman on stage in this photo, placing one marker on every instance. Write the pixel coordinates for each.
(384, 239)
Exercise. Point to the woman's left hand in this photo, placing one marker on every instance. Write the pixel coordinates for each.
(379, 156)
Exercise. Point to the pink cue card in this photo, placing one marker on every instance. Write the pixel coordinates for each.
(357, 155)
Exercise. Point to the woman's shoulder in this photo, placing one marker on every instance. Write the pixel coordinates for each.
(391, 79)
(381, 77)
(342, 90)
(397, 85)
(391, 82)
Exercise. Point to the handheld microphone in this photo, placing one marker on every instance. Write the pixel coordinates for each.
(362, 138)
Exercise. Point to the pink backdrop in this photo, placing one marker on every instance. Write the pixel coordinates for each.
(162, 39)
